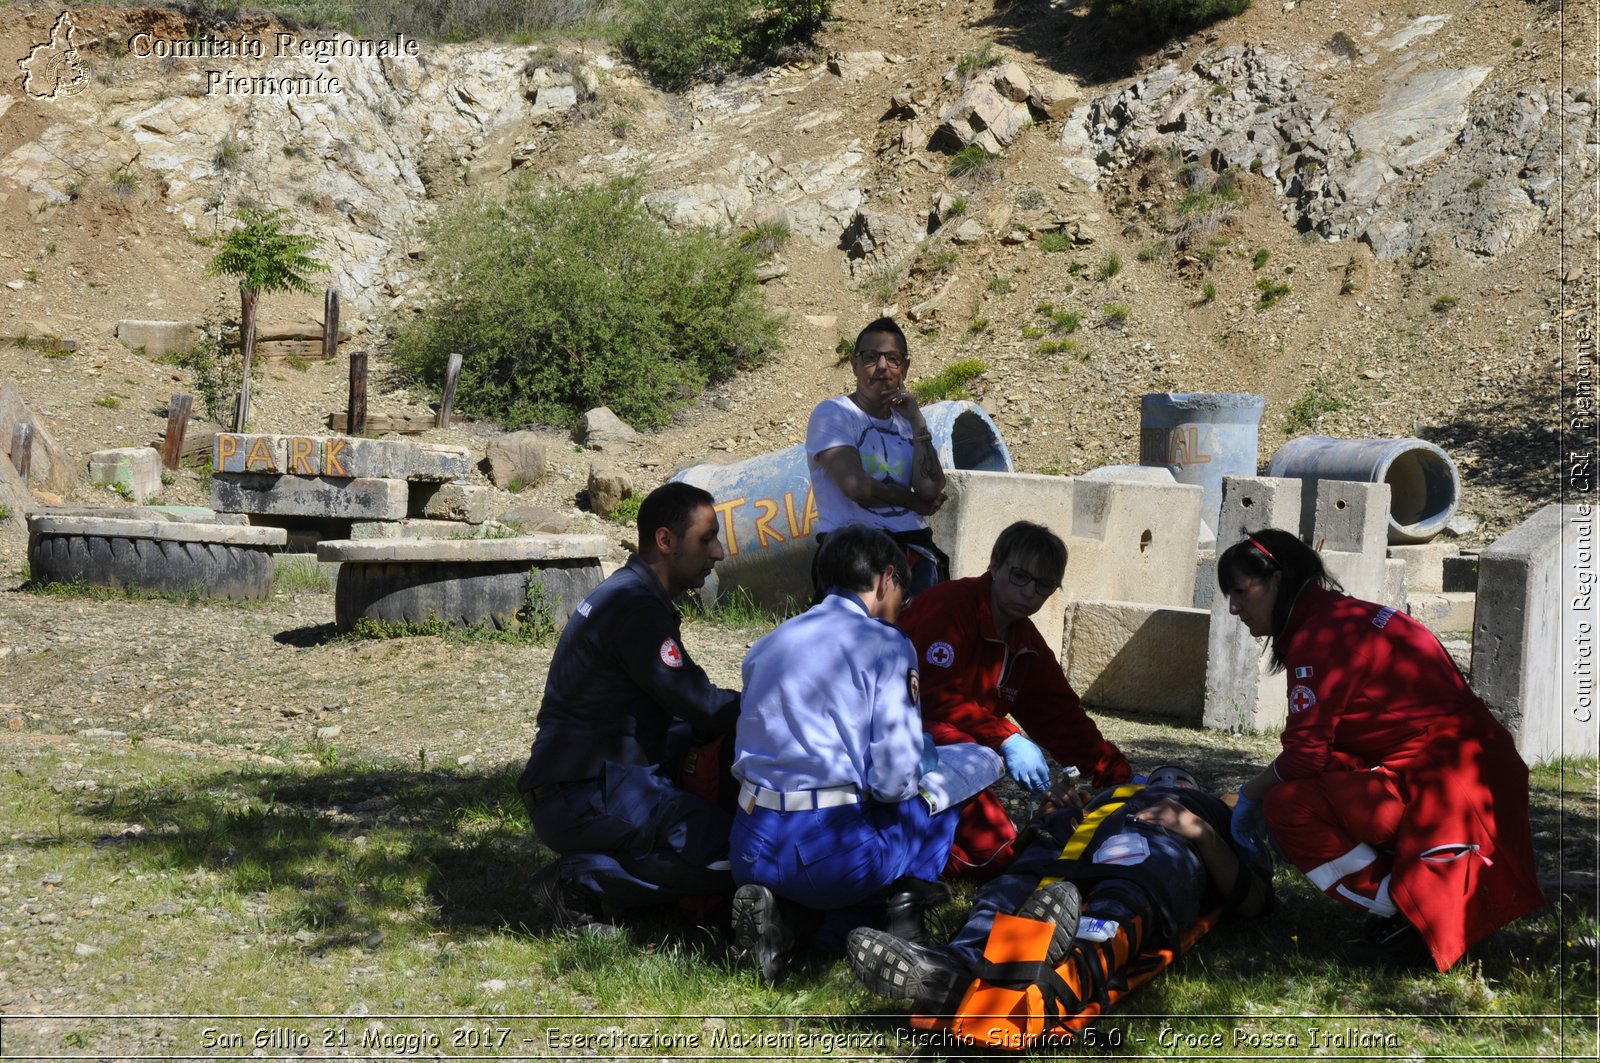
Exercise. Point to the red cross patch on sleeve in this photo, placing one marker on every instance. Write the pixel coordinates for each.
(1301, 698)
(913, 686)
(671, 656)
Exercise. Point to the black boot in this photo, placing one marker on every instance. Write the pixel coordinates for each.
(908, 900)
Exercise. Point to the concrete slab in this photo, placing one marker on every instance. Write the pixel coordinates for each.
(168, 530)
(450, 501)
(309, 496)
(136, 471)
(520, 548)
(1139, 657)
(1350, 528)
(412, 528)
(339, 456)
(1533, 646)
(1444, 612)
(158, 337)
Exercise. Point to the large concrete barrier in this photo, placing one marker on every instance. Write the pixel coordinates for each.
(1533, 646)
(1127, 540)
(1138, 657)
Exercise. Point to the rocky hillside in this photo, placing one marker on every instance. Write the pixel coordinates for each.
(1380, 220)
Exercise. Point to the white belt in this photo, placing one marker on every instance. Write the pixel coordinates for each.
(751, 797)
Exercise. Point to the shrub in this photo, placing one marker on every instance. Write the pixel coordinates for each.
(570, 298)
(218, 369)
(1160, 19)
(1322, 396)
(950, 382)
(1056, 240)
(973, 161)
(1002, 285)
(1260, 259)
(1110, 266)
(679, 42)
(765, 239)
(1444, 302)
(1271, 291)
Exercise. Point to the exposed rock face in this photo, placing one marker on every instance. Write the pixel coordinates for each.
(990, 112)
(1436, 161)
(515, 457)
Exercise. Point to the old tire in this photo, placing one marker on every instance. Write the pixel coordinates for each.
(460, 593)
(157, 566)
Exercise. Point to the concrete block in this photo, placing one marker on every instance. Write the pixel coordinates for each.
(982, 504)
(439, 461)
(49, 469)
(1127, 540)
(135, 470)
(250, 452)
(309, 496)
(1139, 657)
(1460, 573)
(158, 337)
(1395, 591)
(175, 531)
(1444, 612)
(1205, 579)
(417, 529)
(14, 496)
(1533, 646)
(1351, 530)
(450, 501)
(1239, 693)
(1424, 564)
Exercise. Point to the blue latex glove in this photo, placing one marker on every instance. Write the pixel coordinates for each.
(1025, 762)
(1249, 828)
(930, 755)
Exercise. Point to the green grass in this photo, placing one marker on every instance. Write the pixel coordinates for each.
(1445, 302)
(1271, 291)
(1260, 258)
(1110, 266)
(1322, 396)
(334, 883)
(1055, 241)
(108, 402)
(1002, 285)
(765, 239)
(974, 163)
(627, 511)
(950, 382)
(972, 62)
(1116, 314)
(300, 574)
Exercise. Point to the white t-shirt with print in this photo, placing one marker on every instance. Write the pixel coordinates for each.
(887, 452)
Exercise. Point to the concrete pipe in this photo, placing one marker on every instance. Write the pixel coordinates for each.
(767, 512)
(1424, 487)
(1200, 438)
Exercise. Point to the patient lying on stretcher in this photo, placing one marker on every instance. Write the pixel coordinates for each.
(1106, 893)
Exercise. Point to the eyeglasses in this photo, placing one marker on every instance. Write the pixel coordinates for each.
(896, 361)
(1021, 577)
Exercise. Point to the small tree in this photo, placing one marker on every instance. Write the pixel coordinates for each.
(266, 255)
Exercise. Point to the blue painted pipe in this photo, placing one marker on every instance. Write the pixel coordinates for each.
(1424, 486)
(1200, 438)
(768, 516)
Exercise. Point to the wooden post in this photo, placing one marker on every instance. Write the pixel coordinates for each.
(452, 373)
(247, 330)
(22, 448)
(330, 325)
(355, 422)
(177, 425)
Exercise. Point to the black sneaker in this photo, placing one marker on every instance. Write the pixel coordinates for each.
(561, 904)
(1389, 942)
(761, 937)
(907, 903)
(1056, 903)
(933, 979)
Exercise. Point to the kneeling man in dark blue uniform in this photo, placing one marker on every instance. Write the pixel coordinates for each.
(623, 704)
(830, 752)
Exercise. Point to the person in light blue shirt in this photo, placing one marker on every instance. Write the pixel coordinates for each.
(829, 750)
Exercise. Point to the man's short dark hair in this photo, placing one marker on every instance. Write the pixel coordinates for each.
(670, 506)
(852, 557)
(889, 325)
(1031, 544)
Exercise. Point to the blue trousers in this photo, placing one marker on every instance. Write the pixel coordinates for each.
(839, 860)
(636, 839)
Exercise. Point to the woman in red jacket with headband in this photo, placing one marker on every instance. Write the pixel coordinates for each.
(1397, 792)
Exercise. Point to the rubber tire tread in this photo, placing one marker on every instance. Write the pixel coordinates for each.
(156, 566)
(460, 593)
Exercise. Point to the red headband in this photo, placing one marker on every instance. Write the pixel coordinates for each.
(1251, 539)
